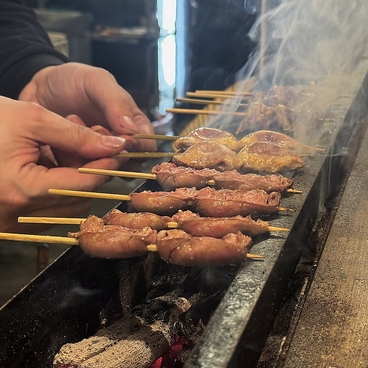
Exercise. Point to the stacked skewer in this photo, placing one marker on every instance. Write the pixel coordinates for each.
(204, 189)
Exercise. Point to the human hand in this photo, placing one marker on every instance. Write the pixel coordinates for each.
(29, 168)
(94, 95)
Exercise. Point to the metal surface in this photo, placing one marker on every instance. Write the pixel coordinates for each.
(63, 304)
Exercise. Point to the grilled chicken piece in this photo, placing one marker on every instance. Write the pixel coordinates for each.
(210, 155)
(207, 202)
(113, 241)
(228, 203)
(194, 224)
(171, 176)
(247, 162)
(269, 183)
(178, 247)
(136, 220)
(204, 135)
(278, 143)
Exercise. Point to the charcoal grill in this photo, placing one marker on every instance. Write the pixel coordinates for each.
(69, 299)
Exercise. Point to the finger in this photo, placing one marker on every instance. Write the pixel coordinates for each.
(54, 130)
(69, 159)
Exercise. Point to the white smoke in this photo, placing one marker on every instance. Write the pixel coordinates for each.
(302, 42)
(309, 40)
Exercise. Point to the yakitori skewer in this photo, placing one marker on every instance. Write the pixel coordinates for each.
(139, 175)
(72, 241)
(160, 202)
(78, 221)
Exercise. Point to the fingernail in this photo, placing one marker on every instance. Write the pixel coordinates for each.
(128, 124)
(112, 141)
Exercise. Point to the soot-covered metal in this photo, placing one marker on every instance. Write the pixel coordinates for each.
(69, 300)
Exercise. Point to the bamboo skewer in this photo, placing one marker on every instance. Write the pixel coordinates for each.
(137, 175)
(77, 221)
(39, 238)
(209, 102)
(118, 173)
(230, 93)
(176, 110)
(217, 96)
(51, 220)
(155, 136)
(79, 193)
(146, 154)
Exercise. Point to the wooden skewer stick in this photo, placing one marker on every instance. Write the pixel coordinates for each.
(156, 136)
(205, 112)
(153, 248)
(137, 175)
(78, 221)
(209, 102)
(283, 209)
(230, 93)
(293, 191)
(217, 96)
(146, 154)
(51, 220)
(123, 174)
(79, 193)
(39, 238)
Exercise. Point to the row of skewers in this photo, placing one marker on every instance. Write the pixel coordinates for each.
(207, 212)
(280, 106)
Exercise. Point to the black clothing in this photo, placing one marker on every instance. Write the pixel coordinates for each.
(25, 47)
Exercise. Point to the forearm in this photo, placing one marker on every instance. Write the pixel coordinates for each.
(24, 47)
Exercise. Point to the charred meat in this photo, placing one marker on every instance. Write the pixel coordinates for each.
(210, 155)
(136, 220)
(278, 140)
(178, 247)
(205, 134)
(196, 225)
(113, 241)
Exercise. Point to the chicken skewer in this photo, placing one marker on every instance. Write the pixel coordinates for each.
(126, 249)
(174, 246)
(170, 177)
(188, 221)
(207, 201)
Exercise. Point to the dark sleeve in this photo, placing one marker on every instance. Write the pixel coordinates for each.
(25, 47)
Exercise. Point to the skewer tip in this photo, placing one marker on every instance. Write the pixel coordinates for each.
(283, 209)
(290, 190)
(275, 228)
(254, 256)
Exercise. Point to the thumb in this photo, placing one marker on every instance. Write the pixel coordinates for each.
(60, 133)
